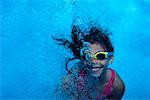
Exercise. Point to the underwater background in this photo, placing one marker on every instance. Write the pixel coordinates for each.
(31, 62)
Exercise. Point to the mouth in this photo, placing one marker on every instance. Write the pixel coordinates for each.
(96, 70)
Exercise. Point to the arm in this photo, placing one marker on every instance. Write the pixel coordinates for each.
(66, 82)
(69, 85)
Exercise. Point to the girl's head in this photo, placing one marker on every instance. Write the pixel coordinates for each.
(97, 59)
(100, 49)
(99, 52)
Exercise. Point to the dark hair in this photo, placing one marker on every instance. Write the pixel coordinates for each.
(93, 35)
(99, 35)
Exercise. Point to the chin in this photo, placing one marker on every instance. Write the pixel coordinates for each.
(95, 75)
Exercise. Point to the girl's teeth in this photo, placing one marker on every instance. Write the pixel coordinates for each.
(95, 69)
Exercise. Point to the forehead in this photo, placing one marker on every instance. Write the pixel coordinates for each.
(97, 47)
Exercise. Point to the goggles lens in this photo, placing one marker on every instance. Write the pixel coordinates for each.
(102, 55)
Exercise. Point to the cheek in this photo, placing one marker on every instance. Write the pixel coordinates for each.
(104, 62)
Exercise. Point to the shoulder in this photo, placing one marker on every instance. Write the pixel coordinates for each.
(69, 77)
(68, 83)
(118, 87)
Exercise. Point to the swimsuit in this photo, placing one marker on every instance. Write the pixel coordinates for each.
(107, 88)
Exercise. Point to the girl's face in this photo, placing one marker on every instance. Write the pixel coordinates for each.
(96, 72)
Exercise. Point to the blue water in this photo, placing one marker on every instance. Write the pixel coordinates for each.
(31, 63)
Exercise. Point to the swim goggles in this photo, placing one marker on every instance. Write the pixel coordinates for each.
(85, 53)
(98, 55)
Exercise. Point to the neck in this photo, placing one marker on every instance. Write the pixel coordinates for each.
(103, 77)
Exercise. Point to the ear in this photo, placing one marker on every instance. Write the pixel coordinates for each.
(111, 60)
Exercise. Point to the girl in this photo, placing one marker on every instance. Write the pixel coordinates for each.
(91, 78)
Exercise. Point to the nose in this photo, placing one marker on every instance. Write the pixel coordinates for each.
(94, 62)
